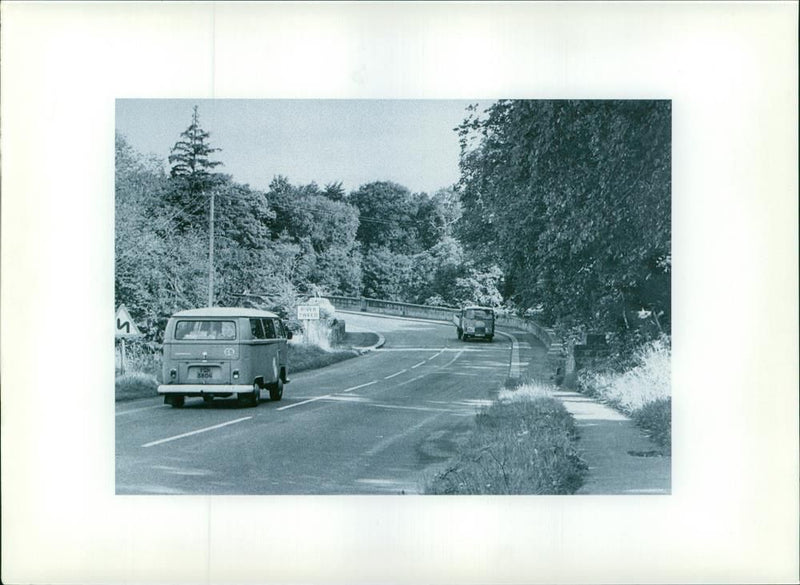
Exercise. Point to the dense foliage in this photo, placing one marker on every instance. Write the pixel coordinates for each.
(562, 207)
(572, 200)
(381, 240)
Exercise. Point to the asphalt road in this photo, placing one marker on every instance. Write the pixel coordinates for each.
(380, 423)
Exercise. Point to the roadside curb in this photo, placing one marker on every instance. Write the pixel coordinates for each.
(369, 348)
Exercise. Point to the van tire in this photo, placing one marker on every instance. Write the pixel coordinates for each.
(276, 390)
(250, 398)
(175, 400)
(460, 333)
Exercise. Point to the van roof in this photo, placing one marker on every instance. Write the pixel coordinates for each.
(224, 312)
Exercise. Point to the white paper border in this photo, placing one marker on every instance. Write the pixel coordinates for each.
(731, 71)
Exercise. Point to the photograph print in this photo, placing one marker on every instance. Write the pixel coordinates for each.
(339, 297)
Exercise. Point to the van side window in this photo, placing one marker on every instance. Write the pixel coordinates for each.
(279, 328)
(256, 329)
(269, 329)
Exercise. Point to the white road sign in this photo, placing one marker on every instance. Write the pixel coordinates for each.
(125, 325)
(307, 312)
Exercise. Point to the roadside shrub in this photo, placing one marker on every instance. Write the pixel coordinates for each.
(647, 381)
(135, 385)
(522, 444)
(141, 357)
(642, 392)
(142, 371)
(525, 391)
(656, 418)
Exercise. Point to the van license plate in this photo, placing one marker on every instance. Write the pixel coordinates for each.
(203, 372)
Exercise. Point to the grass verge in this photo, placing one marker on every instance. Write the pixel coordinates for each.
(135, 385)
(656, 418)
(310, 357)
(525, 443)
(642, 392)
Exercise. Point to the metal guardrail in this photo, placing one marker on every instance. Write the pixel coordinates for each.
(543, 334)
(558, 358)
(393, 308)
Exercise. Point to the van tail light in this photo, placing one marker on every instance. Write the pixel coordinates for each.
(235, 374)
(173, 374)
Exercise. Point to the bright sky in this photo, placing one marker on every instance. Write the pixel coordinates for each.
(411, 142)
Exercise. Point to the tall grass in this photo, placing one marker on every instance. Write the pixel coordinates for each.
(647, 381)
(142, 372)
(643, 391)
(523, 444)
(309, 356)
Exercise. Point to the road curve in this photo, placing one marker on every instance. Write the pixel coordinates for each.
(380, 423)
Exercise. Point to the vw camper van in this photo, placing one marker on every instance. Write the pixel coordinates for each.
(221, 351)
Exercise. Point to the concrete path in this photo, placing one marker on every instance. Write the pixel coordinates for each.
(621, 458)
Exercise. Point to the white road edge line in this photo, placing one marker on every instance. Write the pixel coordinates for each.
(359, 386)
(198, 431)
(514, 363)
(409, 381)
(395, 374)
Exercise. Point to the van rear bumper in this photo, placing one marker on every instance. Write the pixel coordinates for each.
(200, 389)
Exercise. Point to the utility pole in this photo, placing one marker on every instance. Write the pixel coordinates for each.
(211, 253)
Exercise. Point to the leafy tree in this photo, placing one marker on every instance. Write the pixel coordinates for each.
(388, 217)
(479, 287)
(157, 270)
(191, 169)
(325, 229)
(387, 275)
(335, 191)
(572, 200)
(243, 215)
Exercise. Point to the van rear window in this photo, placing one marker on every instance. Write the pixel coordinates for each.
(478, 314)
(205, 330)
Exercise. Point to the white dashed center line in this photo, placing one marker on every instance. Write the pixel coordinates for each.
(140, 409)
(303, 402)
(418, 365)
(395, 374)
(197, 432)
(359, 386)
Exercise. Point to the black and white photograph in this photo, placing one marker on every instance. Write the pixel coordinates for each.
(399, 292)
(466, 298)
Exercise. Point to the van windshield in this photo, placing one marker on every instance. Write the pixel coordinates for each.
(478, 314)
(205, 330)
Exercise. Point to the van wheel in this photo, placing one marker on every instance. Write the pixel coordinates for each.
(250, 398)
(460, 333)
(276, 390)
(490, 338)
(175, 401)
